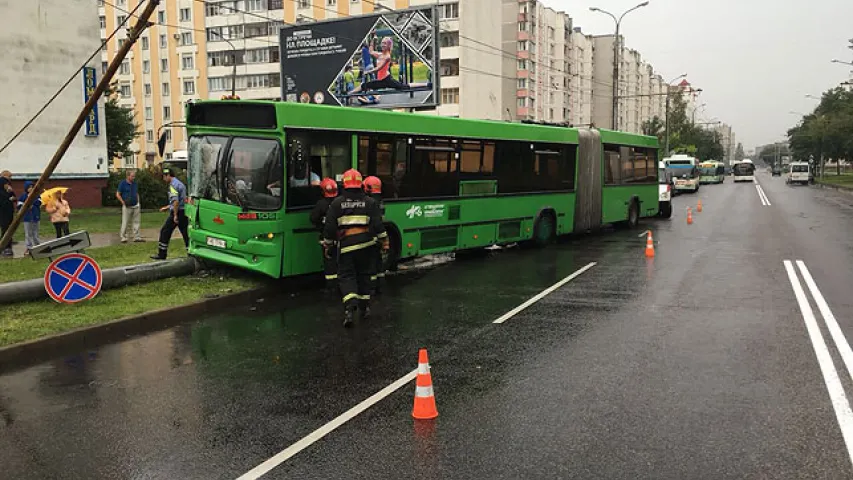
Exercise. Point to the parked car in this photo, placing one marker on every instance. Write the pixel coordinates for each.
(776, 171)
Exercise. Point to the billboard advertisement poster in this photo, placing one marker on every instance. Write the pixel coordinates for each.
(383, 60)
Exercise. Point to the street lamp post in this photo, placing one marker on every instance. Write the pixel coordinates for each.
(697, 108)
(666, 128)
(842, 62)
(616, 57)
(233, 64)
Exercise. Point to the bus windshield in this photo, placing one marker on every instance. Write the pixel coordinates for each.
(709, 171)
(241, 171)
(800, 168)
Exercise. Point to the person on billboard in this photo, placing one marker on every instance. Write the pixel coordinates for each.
(382, 69)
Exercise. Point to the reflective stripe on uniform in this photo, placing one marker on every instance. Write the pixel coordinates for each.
(363, 297)
(358, 246)
(382, 235)
(380, 275)
(350, 296)
(350, 220)
(423, 391)
(373, 278)
(331, 277)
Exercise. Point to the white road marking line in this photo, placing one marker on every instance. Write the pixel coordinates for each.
(328, 428)
(763, 196)
(759, 196)
(834, 330)
(353, 412)
(543, 294)
(840, 404)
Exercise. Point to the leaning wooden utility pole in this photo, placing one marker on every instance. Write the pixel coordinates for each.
(133, 35)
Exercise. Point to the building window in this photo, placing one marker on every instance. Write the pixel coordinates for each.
(120, 19)
(255, 5)
(146, 66)
(121, 42)
(163, 41)
(164, 64)
(449, 95)
(449, 39)
(187, 62)
(124, 69)
(165, 89)
(522, 102)
(168, 133)
(256, 56)
(149, 113)
(448, 11)
(331, 3)
(304, 3)
(522, 26)
(149, 136)
(125, 90)
(187, 38)
(144, 43)
(522, 45)
(522, 64)
(189, 87)
(167, 113)
(161, 17)
(211, 9)
(522, 83)
(147, 89)
(104, 67)
(103, 21)
(185, 15)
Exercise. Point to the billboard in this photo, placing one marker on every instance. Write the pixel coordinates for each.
(385, 60)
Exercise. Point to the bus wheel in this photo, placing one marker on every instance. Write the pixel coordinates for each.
(391, 258)
(666, 210)
(544, 231)
(633, 214)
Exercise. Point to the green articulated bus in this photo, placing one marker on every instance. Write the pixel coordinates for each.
(449, 184)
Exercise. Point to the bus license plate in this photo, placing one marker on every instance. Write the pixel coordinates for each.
(216, 242)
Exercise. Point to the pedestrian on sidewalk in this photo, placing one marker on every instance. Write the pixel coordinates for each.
(7, 207)
(131, 206)
(177, 217)
(32, 217)
(60, 213)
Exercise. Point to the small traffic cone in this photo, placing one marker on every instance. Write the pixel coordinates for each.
(424, 397)
(689, 216)
(699, 206)
(650, 246)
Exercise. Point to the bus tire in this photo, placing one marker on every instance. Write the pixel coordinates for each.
(633, 214)
(391, 258)
(665, 210)
(544, 230)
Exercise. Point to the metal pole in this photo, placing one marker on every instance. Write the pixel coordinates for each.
(666, 151)
(233, 64)
(616, 55)
(133, 35)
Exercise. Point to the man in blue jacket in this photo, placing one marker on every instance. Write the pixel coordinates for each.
(32, 217)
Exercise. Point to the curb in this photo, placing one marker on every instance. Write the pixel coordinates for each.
(34, 351)
(840, 188)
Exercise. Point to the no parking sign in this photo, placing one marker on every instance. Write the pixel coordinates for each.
(73, 278)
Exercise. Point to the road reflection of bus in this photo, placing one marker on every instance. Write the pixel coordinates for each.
(743, 171)
(711, 172)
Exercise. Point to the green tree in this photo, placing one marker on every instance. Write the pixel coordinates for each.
(826, 132)
(739, 153)
(685, 137)
(121, 126)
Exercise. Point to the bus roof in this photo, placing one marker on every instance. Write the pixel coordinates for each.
(266, 115)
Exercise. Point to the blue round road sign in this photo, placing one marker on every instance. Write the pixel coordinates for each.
(73, 278)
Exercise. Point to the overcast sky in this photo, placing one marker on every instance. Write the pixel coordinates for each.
(754, 59)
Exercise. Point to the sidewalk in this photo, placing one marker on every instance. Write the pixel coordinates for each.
(99, 240)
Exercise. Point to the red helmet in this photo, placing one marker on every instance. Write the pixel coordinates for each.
(329, 187)
(372, 184)
(352, 179)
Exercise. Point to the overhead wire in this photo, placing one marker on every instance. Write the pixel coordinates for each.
(67, 82)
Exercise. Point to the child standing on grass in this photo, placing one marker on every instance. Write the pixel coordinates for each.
(60, 213)
(32, 217)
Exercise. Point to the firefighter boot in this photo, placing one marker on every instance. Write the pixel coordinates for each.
(363, 309)
(349, 314)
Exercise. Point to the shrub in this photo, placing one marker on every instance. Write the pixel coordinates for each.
(152, 190)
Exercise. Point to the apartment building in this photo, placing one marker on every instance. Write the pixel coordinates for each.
(45, 43)
(580, 78)
(166, 68)
(728, 140)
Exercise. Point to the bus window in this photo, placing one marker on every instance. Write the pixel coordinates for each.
(312, 156)
(612, 167)
(206, 152)
(645, 164)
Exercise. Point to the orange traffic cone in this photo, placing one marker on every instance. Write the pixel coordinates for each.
(424, 397)
(699, 206)
(689, 216)
(650, 246)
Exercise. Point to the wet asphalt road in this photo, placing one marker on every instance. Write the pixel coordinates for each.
(696, 364)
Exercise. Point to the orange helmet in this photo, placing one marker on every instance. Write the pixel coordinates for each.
(352, 179)
(329, 187)
(372, 184)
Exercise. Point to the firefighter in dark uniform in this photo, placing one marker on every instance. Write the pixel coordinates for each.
(373, 189)
(318, 219)
(355, 223)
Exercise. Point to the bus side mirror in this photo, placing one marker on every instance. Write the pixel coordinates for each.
(161, 143)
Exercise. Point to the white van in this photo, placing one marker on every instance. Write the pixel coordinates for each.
(798, 172)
